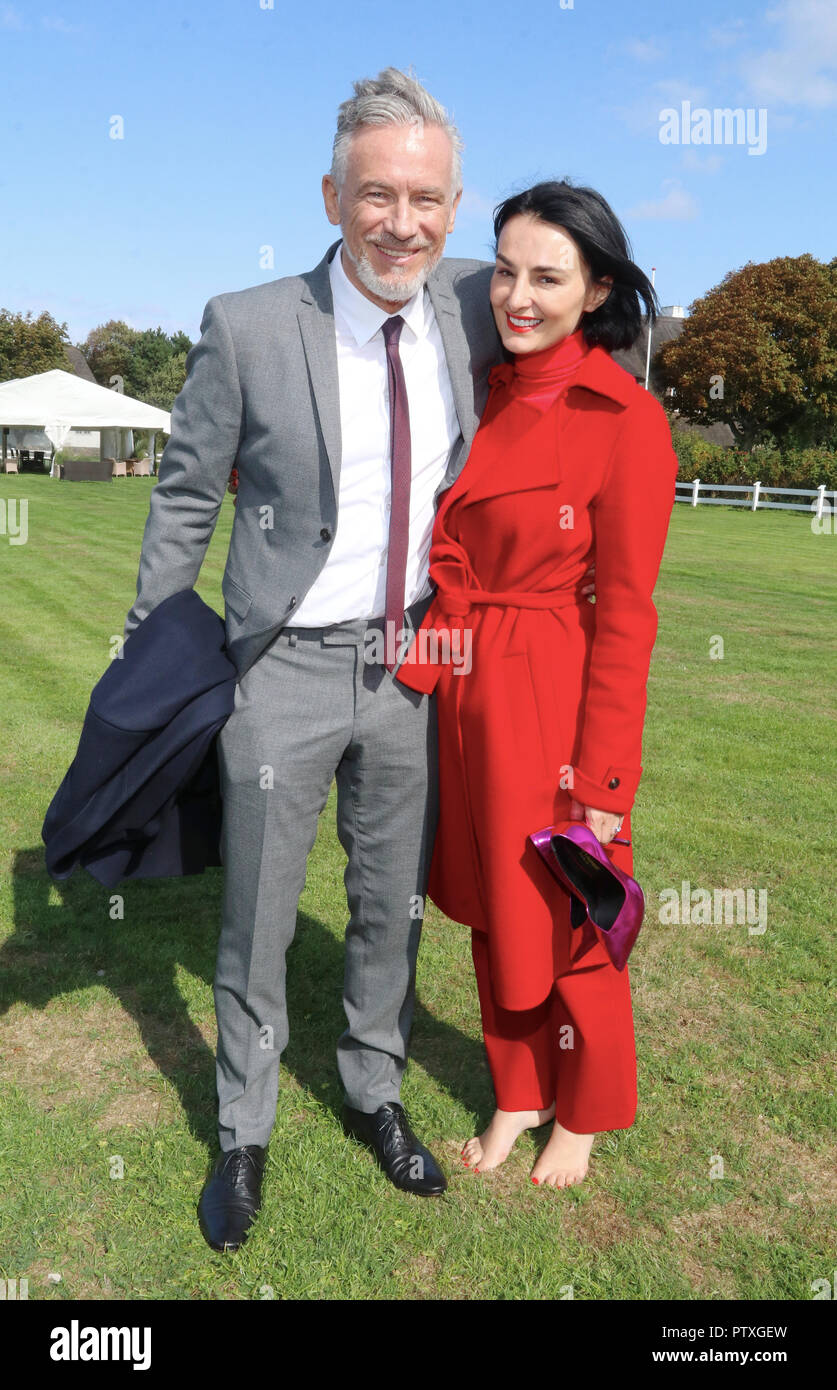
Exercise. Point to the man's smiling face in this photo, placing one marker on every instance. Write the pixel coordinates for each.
(396, 208)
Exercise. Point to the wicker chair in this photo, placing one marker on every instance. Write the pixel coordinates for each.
(142, 468)
(11, 465)
(120, 469)
(87, 470)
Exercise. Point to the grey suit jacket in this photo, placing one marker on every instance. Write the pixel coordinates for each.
(261, 394)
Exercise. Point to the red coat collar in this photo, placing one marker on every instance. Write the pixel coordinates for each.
(598, 373)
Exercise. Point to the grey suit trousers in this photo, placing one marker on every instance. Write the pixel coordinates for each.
(312, 707)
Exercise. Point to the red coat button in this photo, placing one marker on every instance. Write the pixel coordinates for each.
(613, 783)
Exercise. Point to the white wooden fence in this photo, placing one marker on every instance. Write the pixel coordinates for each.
(754, 496)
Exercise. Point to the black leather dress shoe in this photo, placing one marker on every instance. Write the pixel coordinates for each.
(232, 1197)
(405, 1161)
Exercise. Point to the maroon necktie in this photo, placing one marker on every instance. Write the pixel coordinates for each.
(399, 517)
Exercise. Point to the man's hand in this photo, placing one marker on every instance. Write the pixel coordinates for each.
(589, 589)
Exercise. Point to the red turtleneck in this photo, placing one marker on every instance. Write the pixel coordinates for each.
(538, 377)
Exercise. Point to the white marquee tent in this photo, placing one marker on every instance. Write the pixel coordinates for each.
(58, 402)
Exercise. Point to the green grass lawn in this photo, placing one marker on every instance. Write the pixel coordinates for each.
(723, 1188)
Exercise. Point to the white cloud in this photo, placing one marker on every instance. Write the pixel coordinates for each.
(677, 205)
(642, 117)
(701, 163)
(802, 69)
(673, 90)
(644, 50)
(10, 18)
(475, 204)
(725, 35)
(58, 25)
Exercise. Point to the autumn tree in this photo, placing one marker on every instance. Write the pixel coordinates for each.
(30, 345)
(108, 350)
(759, 353)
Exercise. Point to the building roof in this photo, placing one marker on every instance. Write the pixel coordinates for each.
(78, 363)
(633, 358)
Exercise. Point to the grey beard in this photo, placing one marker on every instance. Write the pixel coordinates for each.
(398, 292)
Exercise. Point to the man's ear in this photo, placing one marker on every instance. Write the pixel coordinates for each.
(331, 200)
(454, 205)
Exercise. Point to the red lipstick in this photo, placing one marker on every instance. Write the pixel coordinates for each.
(517, 328)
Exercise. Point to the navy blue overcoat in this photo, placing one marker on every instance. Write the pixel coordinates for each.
(141, 798)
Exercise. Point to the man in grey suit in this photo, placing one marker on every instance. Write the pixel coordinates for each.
(347, 399)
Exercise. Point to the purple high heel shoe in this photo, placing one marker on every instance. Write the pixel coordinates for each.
(599, 892)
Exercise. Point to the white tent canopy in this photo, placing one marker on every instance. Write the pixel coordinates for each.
(59, 401)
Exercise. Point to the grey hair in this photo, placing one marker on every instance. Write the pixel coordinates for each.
(391, 98)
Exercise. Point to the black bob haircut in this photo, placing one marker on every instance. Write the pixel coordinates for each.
(592, 224)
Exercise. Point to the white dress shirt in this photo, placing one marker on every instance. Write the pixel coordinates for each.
(352, 583)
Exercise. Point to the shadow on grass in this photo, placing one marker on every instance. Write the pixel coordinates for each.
(166, 926)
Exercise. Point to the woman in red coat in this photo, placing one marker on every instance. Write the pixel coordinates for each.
(540, 693)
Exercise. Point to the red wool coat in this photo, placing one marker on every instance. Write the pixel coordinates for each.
(554, 703)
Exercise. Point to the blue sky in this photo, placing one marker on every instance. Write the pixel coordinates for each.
(229, 107)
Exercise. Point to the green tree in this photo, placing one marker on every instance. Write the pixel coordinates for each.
(140, 357)
(151, 351)
(30, 345)
(166, 382)
(759, 353)
(180, 341)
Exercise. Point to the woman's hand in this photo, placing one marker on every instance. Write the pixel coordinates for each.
(604, 824)
(589, 589)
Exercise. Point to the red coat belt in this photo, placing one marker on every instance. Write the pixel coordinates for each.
(457, 592)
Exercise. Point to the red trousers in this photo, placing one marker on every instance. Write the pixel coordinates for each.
(576, 1048)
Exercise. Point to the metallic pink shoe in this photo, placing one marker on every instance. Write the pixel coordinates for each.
(600, 892)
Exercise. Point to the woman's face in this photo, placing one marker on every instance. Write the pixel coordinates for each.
(541, 285)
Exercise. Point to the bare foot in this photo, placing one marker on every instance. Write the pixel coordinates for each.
(564, 1160)
(495, 1144)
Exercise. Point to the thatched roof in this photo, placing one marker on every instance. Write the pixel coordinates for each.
(718, 433)
(633, 358)
(78, 363)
